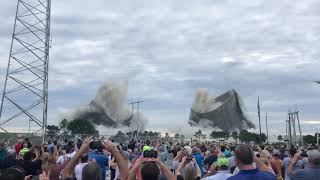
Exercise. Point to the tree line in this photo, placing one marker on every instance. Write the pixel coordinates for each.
(82, 126)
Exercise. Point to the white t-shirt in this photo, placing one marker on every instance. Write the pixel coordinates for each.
(60, 159)
(221, 175)
(78, 170)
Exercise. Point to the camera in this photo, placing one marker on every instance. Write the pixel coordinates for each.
(97, 145)
(150, 154)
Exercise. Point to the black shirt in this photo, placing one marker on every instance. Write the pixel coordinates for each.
(31, 168)
(209, 160)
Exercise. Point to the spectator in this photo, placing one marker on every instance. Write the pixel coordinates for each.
(79, 167)
(26, 140)
(87, 174)
(276, 164)
(3, 151)
(54, 168)
(91, 171)
(190, 172)
(196, 153)
(219, 171)
(96, 154)
(18, 146)
(50, 147)
(14, 173)
(62, 155)
(244, 160)
(225, 152)
(162, 154)
(287, 161)
(203, 148)
(24, 150)
(310, 173)
(31, 166)
(150, 169)
(210, 159)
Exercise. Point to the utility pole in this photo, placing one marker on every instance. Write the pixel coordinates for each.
(267, 127)
(300, 132)
(132, 107)
(138, 109)
(289, 130)
(293, 116)
(286, 128)
(294, 128)
(258, 106)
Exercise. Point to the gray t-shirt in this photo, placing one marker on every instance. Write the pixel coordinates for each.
(310, 173)
(286, 162)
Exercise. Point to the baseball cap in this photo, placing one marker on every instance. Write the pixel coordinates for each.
(223, 162)
(147, 148)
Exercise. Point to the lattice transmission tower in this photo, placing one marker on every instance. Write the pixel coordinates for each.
(25, 93)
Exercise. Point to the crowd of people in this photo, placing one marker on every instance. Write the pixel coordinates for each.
(90, 159)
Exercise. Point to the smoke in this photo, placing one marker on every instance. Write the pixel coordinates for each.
(204, 103)
(224, 112)
(107, 109)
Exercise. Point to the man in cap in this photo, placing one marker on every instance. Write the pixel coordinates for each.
(221, 168)
(310, 173)
(244, 157)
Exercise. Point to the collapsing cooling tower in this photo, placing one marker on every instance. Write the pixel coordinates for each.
(107, 108)
(223, 112)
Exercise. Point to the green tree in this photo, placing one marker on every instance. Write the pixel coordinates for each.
(120, 137)
(52, 130)
(280, 138)
(309, 139)
(199, 135)
(63, 124)
(219, 134)
(82, 126)
(235, 135)
(246, 136)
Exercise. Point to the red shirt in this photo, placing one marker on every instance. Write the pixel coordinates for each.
(18, 147)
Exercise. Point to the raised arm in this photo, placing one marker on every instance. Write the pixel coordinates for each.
(260, 165)
(132, 172)
(69, 168)
(165, 170)
(181, 165)
(293, 162)
(122, 164)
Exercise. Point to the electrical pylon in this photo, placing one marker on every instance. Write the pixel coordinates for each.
(25, 93)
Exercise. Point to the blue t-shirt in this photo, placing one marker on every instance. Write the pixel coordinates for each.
(227, 154)
(101, 160)
(253, 174)
(199, 159)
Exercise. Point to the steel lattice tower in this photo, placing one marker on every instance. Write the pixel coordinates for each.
(25, 93)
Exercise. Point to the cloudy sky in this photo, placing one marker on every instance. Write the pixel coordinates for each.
(168, 49)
